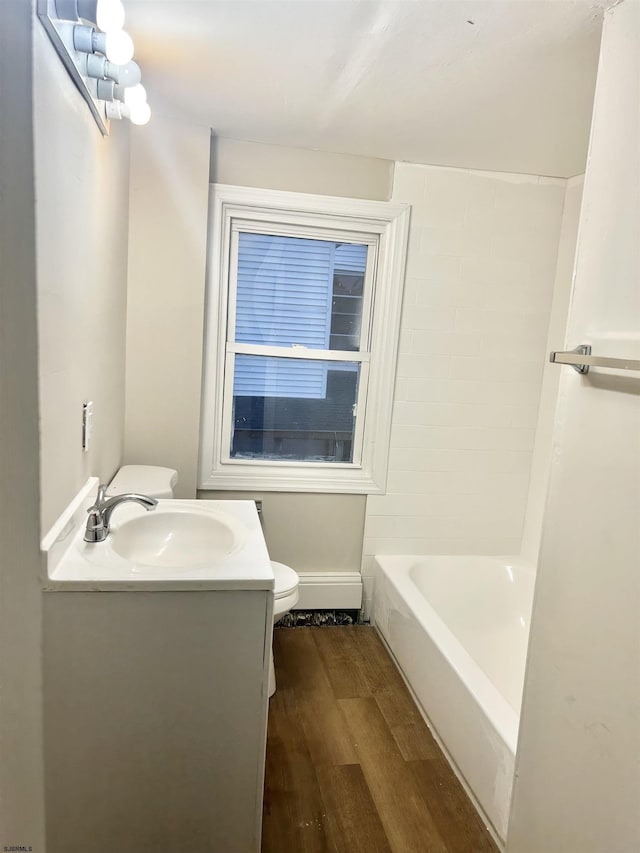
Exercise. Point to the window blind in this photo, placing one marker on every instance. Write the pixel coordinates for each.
(283, 298)
(350, 257)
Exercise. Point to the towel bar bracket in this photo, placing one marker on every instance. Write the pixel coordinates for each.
(561, 358)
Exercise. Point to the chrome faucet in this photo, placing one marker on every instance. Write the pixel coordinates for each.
(97, 528)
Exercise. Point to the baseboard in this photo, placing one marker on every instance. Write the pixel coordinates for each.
(330, 591)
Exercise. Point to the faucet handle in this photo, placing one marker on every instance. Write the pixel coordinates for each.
(102, 493)
(95, 530)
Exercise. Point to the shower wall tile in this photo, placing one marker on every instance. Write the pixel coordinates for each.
(479, 287)
(472, 438)
(444, 343)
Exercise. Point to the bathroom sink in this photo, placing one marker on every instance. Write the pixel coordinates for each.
(178, 545)
(178, 538)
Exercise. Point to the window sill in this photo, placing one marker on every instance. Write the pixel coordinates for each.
(327, 482)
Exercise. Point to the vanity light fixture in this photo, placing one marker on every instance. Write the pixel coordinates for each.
(98, 54)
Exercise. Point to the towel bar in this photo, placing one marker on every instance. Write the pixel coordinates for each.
(581, 360)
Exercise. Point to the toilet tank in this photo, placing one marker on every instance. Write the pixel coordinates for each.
(151, 480)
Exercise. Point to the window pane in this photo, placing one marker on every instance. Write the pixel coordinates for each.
(299, 291)
(279, 377)
(273, 423)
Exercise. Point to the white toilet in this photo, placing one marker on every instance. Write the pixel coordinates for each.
(286, 597)
(157, 482)
(150, 480)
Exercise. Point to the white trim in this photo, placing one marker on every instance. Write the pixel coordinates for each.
(329, 591)
(232, 292)
(323, 480)
(267, 201)
(374, 222)
(311, 231)
(297, 352)
(360, 405)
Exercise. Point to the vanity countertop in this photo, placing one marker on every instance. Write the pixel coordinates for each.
(70, 563)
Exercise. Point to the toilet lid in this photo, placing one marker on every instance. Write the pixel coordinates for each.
(146, 479)
(286, 579)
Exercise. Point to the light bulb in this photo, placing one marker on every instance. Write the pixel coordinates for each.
(139, 113)
(125, 75)
(109, 15)
(118, 47)
(132, 96)
(135, 95)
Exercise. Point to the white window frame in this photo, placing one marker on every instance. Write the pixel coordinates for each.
(377, 223)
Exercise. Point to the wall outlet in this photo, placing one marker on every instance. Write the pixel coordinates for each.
(87, 424)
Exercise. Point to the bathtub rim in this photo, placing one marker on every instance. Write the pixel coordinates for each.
(503, 718)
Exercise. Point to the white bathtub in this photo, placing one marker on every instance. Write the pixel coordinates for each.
(458, 628)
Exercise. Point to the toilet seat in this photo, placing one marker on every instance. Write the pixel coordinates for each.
(285, 589)
(286, 580)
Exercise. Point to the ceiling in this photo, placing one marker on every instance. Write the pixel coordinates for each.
(503, 85)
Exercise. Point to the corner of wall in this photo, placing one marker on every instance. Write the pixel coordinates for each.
(21, 743)
(562, 290)
(168, 210)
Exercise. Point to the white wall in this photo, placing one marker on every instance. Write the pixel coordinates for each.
(541, 461)
(309, 532)
(165, 307)
(82, 223)
(577, 784)
(479, 287)
(21, 794)
(278, 167)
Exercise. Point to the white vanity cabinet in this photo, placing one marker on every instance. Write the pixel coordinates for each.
(156, 699)
(155, 720)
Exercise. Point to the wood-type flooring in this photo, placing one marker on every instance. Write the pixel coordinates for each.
(351, 765)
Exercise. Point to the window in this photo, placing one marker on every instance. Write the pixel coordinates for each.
(303, 310)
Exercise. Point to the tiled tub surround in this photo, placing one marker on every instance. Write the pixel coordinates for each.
(458, 628)
(479, 288)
